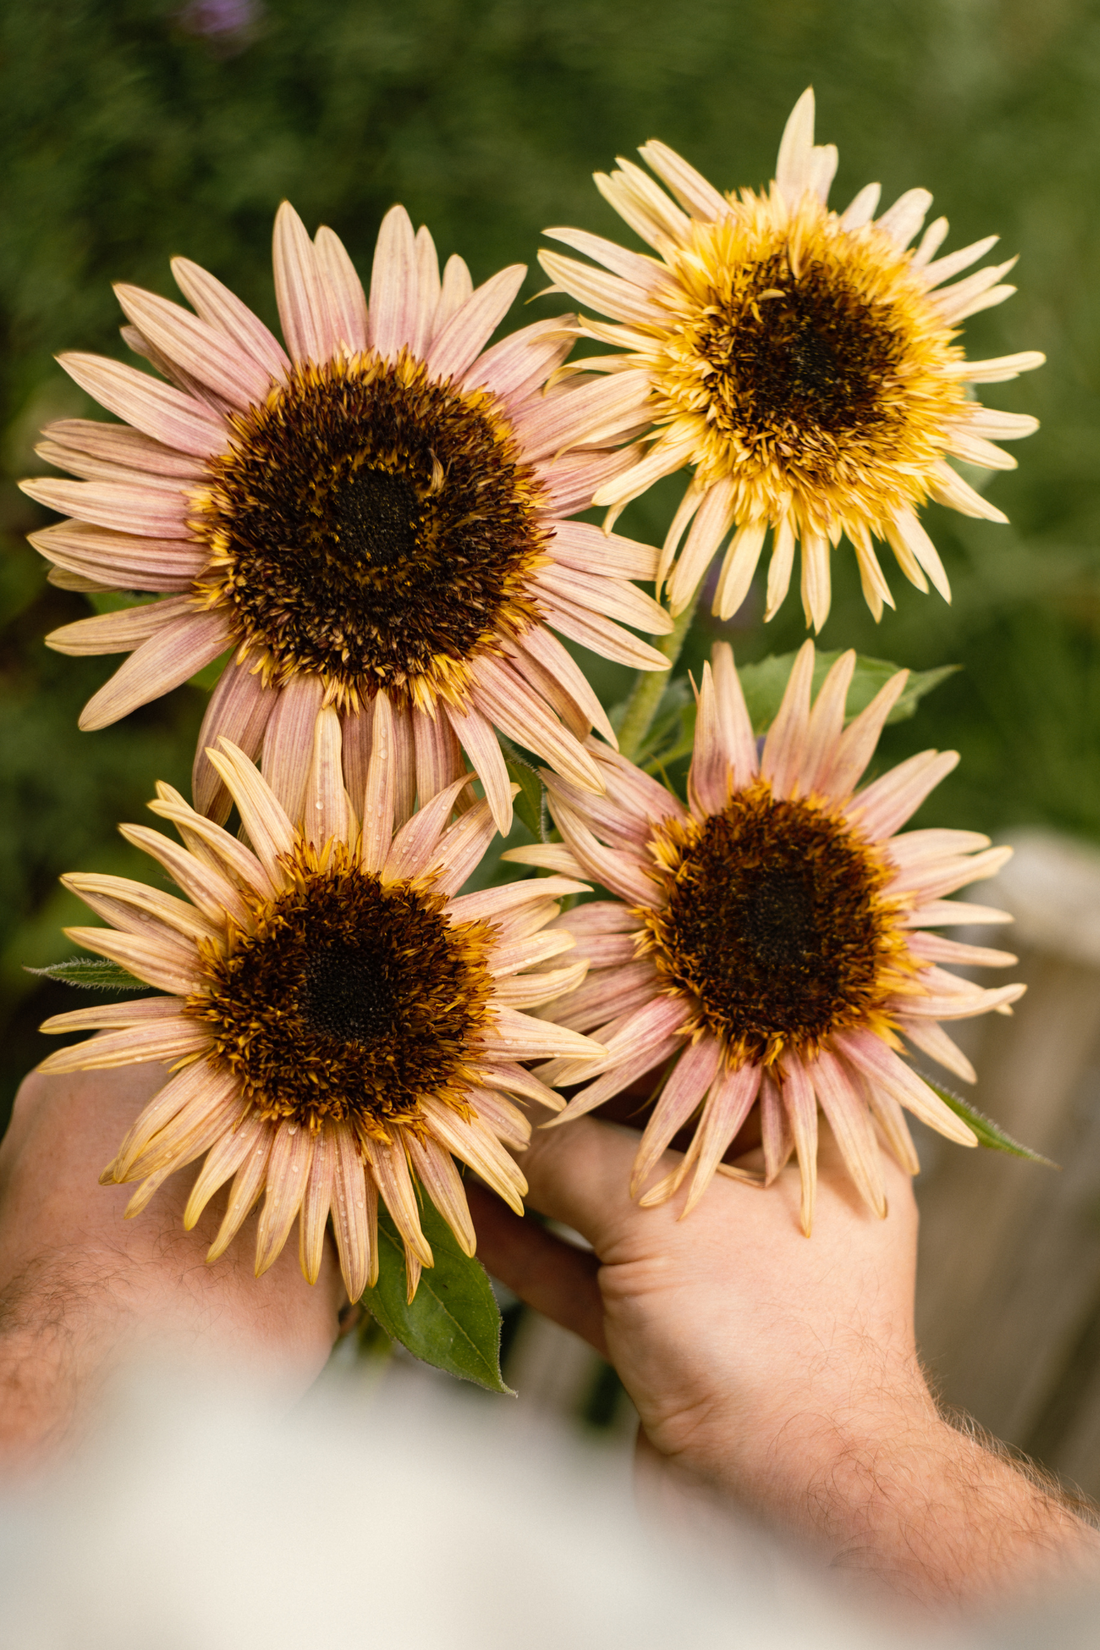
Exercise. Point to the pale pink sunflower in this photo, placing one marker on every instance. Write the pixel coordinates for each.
(771, 942)
(802, 362)
(340, 1022)
(380, 510)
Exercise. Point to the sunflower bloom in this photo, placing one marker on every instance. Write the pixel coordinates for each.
(771, 942)
(801, 361)
(379, 511)
(339, 1021)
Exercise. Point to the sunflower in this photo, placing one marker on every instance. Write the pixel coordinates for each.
(339, 1021)
(801, 361)
(771, 942)
(380, 513)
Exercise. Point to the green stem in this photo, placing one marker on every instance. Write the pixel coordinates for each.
(649, 689)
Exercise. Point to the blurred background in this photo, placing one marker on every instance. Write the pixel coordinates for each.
(131, 130)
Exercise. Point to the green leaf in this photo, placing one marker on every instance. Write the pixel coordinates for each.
(92, 974)
(763, 684)
(454, 1321)
(988, 1133)
(528, 802)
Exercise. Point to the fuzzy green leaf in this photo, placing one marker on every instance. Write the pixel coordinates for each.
(92, 974)
(988, 1132)
(763, 684)
(453, 1322)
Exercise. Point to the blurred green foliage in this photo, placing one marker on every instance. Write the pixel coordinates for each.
(131, 130)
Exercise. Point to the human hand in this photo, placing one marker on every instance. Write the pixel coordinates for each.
(81, 1289)
(778, 1370)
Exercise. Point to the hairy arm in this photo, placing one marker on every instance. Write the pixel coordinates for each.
(781, 1372)
(82, 1289)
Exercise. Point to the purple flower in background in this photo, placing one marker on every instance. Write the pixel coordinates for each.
(220, 20)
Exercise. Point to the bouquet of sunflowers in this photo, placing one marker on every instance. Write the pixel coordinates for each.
(375, 525)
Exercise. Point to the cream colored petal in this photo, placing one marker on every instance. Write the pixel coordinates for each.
(478, 740)
(162, 663)
(123, 892)
(287, 1178)
(441, 1180)
(529, 990)
(390, 1169)
(576, 703)
(903, 220)
(205, 1131)
(325, 806)
(239, 708)
(505, 1119)
(739, 568)
(547, 856)
(691, 189)
(495, 904)
(515, 1080)
(796, 147)
(712, 522)
(221, 1162)
(213, 893)
(378, 794)
(912, 535)
(288, 740)
(168, 967)
(316, 1203)
(851, 1128)
(511, 1035)
(930, 243)
(248, 1183)
(891, 1120)
(816, 578)
(269, 830)
(608, 294)
(119, 632)
(354, 1214)
(107, 1016)
(734, 721)
(862, 208)
(473, 1144)
(948, 487)
(211, 1110)
(160, 1040)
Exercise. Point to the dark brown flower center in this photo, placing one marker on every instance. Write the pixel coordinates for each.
(775, 926)
(348, 1000)
(371, 526)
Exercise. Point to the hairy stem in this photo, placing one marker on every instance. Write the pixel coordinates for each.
(649, 689)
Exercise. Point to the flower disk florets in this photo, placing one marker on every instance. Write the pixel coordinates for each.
(346, 1000)
(371, 526)
(775, 925)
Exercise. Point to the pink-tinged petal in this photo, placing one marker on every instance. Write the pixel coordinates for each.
(392, 311)
(780, 567)
(162, 663)
(316, 1203)
(851, 1128)
(609, 294)
(428, 287)
(404, 762)
(888, 802)
(614, 868)
(496, 903)
(953, 913)
(594, 413)
(438, 754)
(710, 775)
(512, 956)
(346, 298)
(214, 895)
(473, 1144)
(713, 520)
(456, 346)
(390, 1169)
(378, 794)
(158, 963)
(503, 695)
(794, 167)
(600, 916)
(589, 549)
(908, 530)
(160, 411)
(628, 791)
(224, 310)
(856, 744)
(192, 387)
(119, 899)
(119, 632)
(616, 598)
(247, 1185)
(645, 1058)
(120, 559)
(415, 847)
(635, 1038)
(541, 661)
(505, 1119)
(734, 723)
(145, 511)
(522, 360)
(356, 746)
(516, 1080)
(903, 220)
(631, 480)
(239, 708)
(930, 1037)
(325, 805)
(287, 1177)
(688, 1082)
(685, 513)
(572, 481)
(441, 1180)
(826, 724)
(112, 471)
(727, 1106)
(801, 1106)
(816, 578)
(455, 289)
(129, 449)
(221, 1162)
(300, 290)
(880, 1065)
(739, 568)
(269, 830)
(948, 487)
(606, 950)
(937, 948)
(891, 1120)
(691, 189)
(914, 847)
(163, 1040)
(478, 740)
(776, 1138)
(785, 746)
(208, 845)
(512, 1035)
(354, 1214)
(108, 1016)
(958, 1005)
(62, 579)
(608, 992)
(925, 882)
(462, 847)
(600, 635)
(203, 351)
(288, 740)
